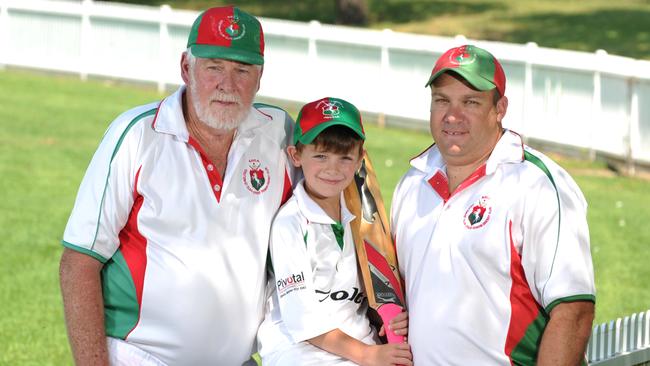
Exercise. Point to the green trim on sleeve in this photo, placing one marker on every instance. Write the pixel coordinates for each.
(584, 297)
(79, 249)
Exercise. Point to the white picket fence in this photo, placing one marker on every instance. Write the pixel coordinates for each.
(596, 103)
(621, 342)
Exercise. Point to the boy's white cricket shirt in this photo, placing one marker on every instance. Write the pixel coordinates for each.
(317, 285)
(184, 251)
(484, 267)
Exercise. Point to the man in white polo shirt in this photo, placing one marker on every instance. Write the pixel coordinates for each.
(491, 235)
(166, 246)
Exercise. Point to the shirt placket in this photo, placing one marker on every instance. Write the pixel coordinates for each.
(216, 183)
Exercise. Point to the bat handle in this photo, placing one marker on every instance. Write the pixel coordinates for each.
(387, 312)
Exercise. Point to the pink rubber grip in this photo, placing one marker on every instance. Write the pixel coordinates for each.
(387, 312)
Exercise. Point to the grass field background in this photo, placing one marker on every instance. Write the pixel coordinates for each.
(51, 125)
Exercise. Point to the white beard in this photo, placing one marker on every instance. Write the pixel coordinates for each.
(222, 118)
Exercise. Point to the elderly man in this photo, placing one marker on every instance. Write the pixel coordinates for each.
(491, 235)
(166, 246)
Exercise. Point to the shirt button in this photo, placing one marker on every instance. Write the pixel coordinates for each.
(217, 188)
(210, 167)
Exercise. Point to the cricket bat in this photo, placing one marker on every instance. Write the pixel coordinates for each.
(374, 246)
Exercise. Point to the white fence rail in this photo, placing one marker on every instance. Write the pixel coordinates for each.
(597, 103)
(621, 342)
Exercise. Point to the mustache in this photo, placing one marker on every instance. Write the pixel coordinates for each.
(226, 97)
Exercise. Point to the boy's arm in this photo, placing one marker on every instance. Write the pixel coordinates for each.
(341, 344)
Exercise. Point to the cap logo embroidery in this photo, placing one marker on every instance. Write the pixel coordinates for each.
(329, 109)
(231, 29)
(477, 215)
(461, 56)
(256, 178)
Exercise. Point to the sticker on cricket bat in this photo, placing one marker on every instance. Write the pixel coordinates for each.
(374, 246)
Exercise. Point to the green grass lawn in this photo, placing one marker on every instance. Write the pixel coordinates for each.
(619, 27)
(50, 126)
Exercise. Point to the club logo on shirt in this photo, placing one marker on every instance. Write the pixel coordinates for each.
(290, 284)
(477, 215)
(256, 179)
(231, 29)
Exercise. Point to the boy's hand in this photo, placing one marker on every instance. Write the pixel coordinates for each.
(388, 354)
(399, 325)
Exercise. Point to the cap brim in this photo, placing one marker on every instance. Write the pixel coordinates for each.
(227, 53)
(309, 137)
(476, 81)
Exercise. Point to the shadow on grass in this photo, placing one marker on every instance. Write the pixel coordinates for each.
(621, 32)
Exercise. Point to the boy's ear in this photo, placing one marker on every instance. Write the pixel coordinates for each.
(294, 155)
(361, 155)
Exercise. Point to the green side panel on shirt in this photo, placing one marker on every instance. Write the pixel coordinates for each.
(338, 233)
(525, 352)
(121, 309)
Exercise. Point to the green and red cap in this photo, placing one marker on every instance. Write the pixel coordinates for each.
(316, 116)
(228, 33)
(476, 65)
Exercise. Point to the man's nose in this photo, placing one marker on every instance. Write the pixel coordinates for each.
(227, 81)
(454, 113)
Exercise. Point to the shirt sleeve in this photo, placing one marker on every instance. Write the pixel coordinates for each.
(302, 313)
(555, 253)
(106, 193)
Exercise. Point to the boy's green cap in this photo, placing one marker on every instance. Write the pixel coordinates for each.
(320, 114)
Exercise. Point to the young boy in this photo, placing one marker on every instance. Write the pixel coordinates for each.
(317, 312)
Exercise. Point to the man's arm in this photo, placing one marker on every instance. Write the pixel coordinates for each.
(566, 335)
(84, 308)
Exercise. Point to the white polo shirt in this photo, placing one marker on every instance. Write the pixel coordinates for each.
(184, 249)
(317, 286)
(484, 267)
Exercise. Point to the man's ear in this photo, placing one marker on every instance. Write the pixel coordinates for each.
(185, 68)
(259, 79)
(502, 107)
(294, 156)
